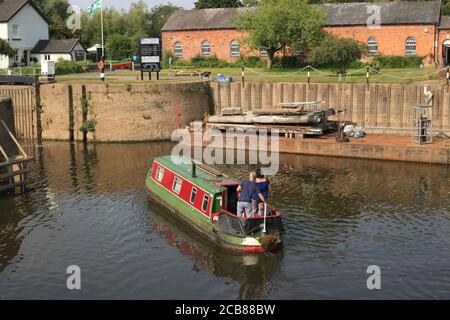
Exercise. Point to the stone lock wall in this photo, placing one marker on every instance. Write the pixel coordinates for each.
(121, 112)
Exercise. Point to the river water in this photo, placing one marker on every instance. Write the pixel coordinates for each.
(88, 207)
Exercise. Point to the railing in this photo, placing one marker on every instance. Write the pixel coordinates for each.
(14, 171)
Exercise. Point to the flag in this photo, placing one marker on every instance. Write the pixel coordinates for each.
(97, 5)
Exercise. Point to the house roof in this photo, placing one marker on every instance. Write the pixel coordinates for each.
(445, 22)
(56, 46)
(406, 12)
(9, 8)
(202, 19)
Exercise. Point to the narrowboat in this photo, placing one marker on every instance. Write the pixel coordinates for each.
(206, 200)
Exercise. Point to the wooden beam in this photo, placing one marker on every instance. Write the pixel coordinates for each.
(14, 139)
(16, 161)
(14, 173)
(14, 185)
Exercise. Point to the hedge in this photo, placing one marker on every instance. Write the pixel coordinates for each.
(62, 67)
(397, 61)
(214, 62)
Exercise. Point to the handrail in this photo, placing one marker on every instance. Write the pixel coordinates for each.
(278, 214)
(4, 153)
(14, 139)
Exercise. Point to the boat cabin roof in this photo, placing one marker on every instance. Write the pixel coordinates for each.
(207, 178)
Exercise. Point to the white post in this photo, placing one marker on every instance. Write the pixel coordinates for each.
(103, 37)
(265, 215)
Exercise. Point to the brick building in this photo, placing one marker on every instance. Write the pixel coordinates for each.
(400, 28)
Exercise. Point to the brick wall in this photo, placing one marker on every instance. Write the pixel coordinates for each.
(220, 41)
(391, 40)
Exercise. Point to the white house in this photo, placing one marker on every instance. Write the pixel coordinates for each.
(22, 24)
(54, 50)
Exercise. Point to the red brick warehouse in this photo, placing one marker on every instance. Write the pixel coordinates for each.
(401, 28)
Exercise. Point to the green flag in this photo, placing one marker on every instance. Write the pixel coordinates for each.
(97, 5)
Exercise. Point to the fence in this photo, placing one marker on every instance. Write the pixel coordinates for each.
(376, 107)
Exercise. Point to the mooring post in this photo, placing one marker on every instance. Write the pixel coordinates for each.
(447, 75)
(367, 77)
(38, 109)
(243, 76)
(84, 106)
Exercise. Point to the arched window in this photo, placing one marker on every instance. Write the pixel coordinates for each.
(234, 46)
(372, 43)
(410, 46)
(206, 48)
(178, 50)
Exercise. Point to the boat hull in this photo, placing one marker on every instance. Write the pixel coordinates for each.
(203, 226)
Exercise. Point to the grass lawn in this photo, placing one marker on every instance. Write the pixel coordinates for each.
(276, 75)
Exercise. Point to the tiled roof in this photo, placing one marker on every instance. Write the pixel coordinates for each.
(405, 12)
(55, 46)
(9, 8)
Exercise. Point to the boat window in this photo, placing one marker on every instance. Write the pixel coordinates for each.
(193, 194)
(177, 182)
(159, 174)
(205, 203)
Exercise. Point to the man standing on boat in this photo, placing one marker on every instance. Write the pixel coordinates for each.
(246, 189)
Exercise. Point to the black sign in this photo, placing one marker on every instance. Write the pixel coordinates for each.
(150, 50)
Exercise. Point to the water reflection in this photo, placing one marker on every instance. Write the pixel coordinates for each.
(88, 206)
(253, 272)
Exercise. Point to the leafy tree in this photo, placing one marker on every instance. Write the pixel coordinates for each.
(204, 4)
(5, 49)
(446, 8)
(56, 12)
(337, 52)
(278, 24)
(121, 46)
(138, 21)
(158, 16)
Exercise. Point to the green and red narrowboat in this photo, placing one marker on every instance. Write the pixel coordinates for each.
(206, 200)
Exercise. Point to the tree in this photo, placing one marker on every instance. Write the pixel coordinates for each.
(279, 24)
(56, 12)
(337, 52)
(158, 17)
(5, 49)
(204, 4)
(121, 46)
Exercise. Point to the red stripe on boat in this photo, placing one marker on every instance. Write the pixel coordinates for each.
(254, 249)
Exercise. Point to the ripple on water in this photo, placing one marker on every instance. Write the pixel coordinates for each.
(89, 208)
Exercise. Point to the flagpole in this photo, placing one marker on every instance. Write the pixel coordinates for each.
(103, 37)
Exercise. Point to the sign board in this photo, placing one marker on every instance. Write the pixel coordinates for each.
(150, 50)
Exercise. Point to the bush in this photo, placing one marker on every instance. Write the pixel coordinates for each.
(337, 52)
(289, 62)
(70, 67)
(397, 61)
(30, 70)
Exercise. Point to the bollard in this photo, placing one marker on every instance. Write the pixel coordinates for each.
(243, 76)
(367, 77)
(309, 77)
(448, 75)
